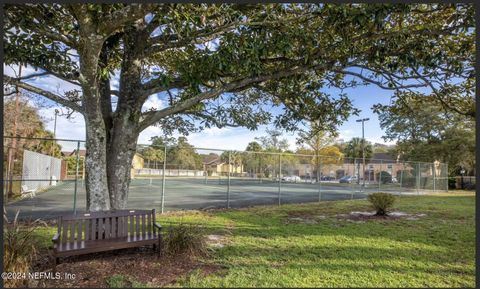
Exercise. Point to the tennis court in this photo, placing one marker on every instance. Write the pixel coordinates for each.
(196, 193)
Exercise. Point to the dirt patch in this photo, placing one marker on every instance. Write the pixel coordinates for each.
(303, 217)
(140, 264)
(361, 217)
(217, 241)
(306, 217)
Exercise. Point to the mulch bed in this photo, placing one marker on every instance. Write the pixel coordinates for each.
(139, 264)
(357, 217)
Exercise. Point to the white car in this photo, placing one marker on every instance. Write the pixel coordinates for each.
(293, 179)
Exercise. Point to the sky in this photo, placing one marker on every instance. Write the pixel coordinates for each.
(363, 98)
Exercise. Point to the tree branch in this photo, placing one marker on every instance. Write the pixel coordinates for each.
(46, 73)
(119, 18)
(378, 83)
(47, 94)
(201, 36)
(437, 95)
(151, 117)
(204, 35)
(156, 85)
(212, 119)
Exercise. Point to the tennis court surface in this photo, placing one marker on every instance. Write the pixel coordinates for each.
(197, 193)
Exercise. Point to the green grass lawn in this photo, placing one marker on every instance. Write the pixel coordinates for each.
(264, 250)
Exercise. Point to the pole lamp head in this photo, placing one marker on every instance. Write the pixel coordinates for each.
(462, 171)
(362, 120)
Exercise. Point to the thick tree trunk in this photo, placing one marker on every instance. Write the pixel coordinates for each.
(96, 133)
(124, 131)
(121, 150)
(96, 164)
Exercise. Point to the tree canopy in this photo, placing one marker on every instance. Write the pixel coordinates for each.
(229, 65)
(29, 124)
(354, 149)
(195, 53)
(424, 131)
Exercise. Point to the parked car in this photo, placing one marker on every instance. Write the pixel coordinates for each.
(348, 179)
(293, 179)
(327, 178)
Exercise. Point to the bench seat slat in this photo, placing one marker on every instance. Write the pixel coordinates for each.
(85, 245)
(71, 231)
(107, 228)
(87, 230)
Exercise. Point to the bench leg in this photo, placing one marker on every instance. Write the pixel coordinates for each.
(56, 261)
(159, 244)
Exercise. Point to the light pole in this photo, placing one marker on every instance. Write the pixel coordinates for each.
(363, 120)
(55, 124)
(53, 145)
(462, 172)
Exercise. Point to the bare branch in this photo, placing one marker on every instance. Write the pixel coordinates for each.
(47, 73)
(47, 94)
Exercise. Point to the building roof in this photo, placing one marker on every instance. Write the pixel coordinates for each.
(80, 152)
(211, 159)
(383, 156)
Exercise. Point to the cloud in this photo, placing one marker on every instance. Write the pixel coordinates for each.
(153, 102)
(346, 134)
(72, 129)
(148, 133)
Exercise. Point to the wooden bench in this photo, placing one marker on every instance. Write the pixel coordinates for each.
(104, 231)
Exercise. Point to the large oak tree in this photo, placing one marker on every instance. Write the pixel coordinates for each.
(222, 65)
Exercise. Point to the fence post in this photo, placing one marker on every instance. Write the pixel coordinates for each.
(228, 180)
(260, 168)
(418, 178)
(76, 179)
(352, 187)
(163, 177)
(433, 166)
(279, 178)
(401, 176)
(380, 176)
(206, 174)
(319, 178)
(446, 170)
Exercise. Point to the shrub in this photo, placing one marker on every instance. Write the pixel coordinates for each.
(18, 248)
(469, 186)
(408, 182)
(381, 202)
(185, 239)
(386, 177)
(452, 183)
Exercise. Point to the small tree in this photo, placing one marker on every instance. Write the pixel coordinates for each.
(381, 202)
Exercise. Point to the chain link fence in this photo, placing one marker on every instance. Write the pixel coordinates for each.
(44, 178)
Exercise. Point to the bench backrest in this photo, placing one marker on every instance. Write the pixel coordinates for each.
(105, 225)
